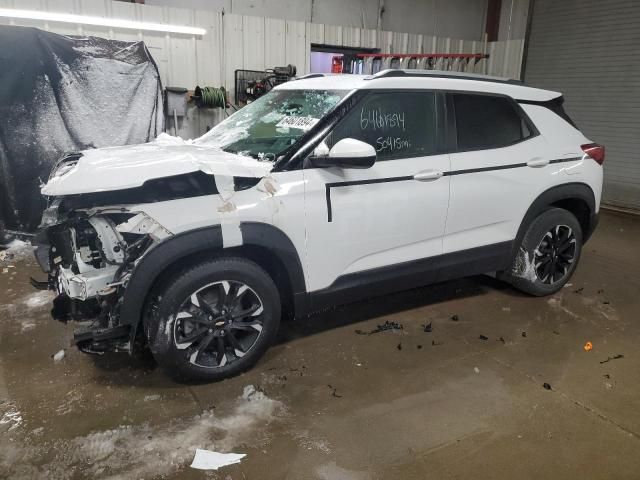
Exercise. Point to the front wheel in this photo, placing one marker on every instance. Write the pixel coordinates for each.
(548, 254)
(214, 320)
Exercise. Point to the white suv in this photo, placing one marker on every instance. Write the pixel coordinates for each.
(326, 190)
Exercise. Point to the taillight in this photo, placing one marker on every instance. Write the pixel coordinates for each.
(595, 151)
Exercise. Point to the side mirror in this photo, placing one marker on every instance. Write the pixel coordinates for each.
(347, 153)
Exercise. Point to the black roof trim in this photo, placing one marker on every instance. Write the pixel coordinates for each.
(390, 73)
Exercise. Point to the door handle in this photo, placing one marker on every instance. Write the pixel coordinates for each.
(427, 175)
(538, 162)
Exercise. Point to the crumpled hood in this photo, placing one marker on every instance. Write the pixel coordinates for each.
(118, 168)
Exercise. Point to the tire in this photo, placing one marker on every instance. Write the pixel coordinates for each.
(548, 254)
(214, 320)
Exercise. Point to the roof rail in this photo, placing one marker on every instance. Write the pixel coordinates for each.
(311, 75)
(392, 72)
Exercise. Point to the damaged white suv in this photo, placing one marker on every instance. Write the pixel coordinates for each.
(326, 190)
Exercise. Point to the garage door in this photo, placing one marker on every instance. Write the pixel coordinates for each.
(590, 51)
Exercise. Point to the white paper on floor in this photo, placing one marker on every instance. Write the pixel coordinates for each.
(208, 460)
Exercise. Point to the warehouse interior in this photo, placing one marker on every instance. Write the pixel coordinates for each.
(463, 378)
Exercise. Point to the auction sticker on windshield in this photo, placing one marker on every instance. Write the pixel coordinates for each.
(303, 123)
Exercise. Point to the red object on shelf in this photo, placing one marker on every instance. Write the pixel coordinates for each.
(336, 64)
(424, 55)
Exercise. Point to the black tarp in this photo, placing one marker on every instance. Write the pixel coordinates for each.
(62, 94)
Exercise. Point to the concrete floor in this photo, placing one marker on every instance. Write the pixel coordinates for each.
(333, 404)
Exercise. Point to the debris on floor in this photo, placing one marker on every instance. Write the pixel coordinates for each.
(334, 391)
(579, 290)
(387, 325)
(208, 460)
(614, 357)
(419, 347)
(588, 347)
(436, 343)
(546, 386)
(58, 356)
(12, 417)
(399, 346)
(524, 334)
(483, 337)
(455, 318)
(476, 369)
(427, 328)
(501, 339)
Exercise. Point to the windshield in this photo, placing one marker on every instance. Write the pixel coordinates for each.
(267, 127)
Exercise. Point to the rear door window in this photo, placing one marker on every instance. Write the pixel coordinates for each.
(486, 121)
(396, 124)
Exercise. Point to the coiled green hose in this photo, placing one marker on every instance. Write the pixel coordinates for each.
(211, 97)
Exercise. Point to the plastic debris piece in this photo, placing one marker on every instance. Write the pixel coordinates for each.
(588, 347)
(501, 339)
(455, 318)
(615, 357)
(606, 302)
(546, 386)
(248, 391)
(483, 337)
(436, 343)
(208, 460)
(58, 356)
(476, 369)
(419, 347)
(399, 346)
(579, 290)
(334, 391)
(428, 328)
(555, 332)
(600, 292)
(524, 334)
(382, 328)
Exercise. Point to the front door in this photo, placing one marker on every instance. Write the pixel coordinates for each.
(360, 221)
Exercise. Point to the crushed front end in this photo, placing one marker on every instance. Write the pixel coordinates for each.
(88, 253)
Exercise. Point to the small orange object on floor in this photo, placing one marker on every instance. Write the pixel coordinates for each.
(588, 346)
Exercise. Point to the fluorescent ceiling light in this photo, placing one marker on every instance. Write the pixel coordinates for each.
(101, 21)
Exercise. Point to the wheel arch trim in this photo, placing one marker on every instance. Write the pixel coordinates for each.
(567, 191)
(193, 242)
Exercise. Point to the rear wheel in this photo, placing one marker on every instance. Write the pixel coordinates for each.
(214, 320)
(548, 254)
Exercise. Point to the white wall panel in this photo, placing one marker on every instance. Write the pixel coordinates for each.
(253, 44)
(333, 35)
(208, 51)
(232, 49)
(315, 33)
(296, 46)
(369, 38)
(275, 31)
(351, 36)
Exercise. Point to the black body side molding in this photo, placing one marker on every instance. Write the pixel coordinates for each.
(404, 276)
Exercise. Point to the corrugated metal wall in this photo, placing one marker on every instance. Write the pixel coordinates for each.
(588, 50)
(244, 42)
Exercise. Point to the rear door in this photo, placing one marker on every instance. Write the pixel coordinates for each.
(360, 221)
(499, 165)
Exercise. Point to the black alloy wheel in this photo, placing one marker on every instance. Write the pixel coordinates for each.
(554, 254)
(219, 323)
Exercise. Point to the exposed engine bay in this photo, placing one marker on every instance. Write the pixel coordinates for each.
(89, 254)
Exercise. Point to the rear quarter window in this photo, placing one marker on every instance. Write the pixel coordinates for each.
(486, 121)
